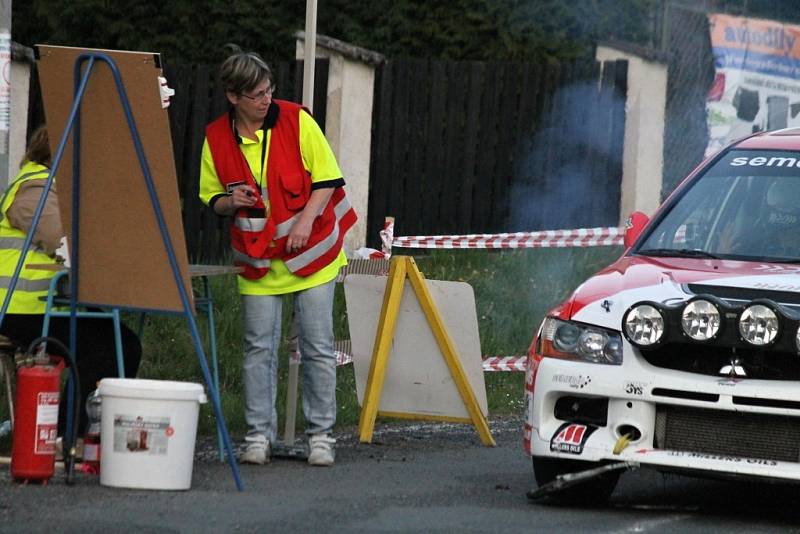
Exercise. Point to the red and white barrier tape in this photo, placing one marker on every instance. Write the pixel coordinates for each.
(580, 237)
(494, 363)
(342, 358)
(505, 363)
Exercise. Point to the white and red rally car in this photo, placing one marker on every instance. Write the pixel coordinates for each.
(684, 355)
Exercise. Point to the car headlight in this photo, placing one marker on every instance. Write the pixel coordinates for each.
(644, 325)
(700, 320)
(574, 341)
(759, 325)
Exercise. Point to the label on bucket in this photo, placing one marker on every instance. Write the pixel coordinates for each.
(46, 422)
(141, 435)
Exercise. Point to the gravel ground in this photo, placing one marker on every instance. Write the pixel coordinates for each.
(398, 436)
(408, 465)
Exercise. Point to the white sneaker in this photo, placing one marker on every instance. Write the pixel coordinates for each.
(321, 450)
(257, 451)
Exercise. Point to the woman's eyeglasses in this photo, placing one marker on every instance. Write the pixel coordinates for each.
(261, 95)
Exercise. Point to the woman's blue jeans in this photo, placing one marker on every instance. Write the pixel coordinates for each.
(262, 336)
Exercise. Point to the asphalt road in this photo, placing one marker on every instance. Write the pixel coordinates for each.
(414, 477)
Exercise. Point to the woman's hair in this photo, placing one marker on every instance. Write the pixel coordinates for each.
(243, 71)
(38, 148)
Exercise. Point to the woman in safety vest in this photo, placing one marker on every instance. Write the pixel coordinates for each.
(24, 319)
(267, 164)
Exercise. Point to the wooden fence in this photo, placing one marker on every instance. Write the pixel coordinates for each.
(458, 147)
(470, 147)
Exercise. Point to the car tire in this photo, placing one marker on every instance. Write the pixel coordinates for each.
(594, 491)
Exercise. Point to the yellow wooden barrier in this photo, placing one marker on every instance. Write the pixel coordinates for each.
(403, 267)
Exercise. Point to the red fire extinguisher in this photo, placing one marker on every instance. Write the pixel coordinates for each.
(33, 450)
(33, 453)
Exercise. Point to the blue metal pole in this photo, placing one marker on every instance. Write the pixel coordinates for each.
(75, 245)
(172, 260)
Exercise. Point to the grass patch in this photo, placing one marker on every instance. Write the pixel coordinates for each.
(513, 291)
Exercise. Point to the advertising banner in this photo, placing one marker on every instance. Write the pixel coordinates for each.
(757, 81)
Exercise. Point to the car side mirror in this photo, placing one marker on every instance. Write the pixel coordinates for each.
(633, 227)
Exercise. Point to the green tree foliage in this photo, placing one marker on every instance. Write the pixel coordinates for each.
(183, 30)
(196, 30)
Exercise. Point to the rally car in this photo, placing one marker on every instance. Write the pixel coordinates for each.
(683, 355)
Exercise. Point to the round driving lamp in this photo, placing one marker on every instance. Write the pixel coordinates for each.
(644, 325)
(758, 325)
(700, 320)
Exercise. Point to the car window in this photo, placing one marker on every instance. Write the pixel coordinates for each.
(746, 206)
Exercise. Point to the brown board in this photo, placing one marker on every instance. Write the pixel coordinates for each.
(123, 261)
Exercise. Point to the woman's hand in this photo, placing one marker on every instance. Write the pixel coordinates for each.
(300, 232)
(298, 236)
(242, 197)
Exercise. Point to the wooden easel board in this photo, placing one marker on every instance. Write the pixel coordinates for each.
(418, 380)
(123, 260)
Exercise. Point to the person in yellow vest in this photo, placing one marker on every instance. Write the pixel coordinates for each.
(24, 318)
(267, 165)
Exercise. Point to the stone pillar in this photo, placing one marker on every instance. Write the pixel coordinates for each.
(348, 120)
(643, 153)
(21, 61)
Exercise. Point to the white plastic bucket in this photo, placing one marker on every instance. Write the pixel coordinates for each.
(148, 432)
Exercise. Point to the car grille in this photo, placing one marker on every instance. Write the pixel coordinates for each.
(710, 359)
(749, 435)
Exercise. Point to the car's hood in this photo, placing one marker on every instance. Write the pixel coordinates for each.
(604, 298)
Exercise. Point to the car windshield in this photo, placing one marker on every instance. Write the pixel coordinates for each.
(745, 207)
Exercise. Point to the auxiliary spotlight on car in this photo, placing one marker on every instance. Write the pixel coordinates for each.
(684, 355)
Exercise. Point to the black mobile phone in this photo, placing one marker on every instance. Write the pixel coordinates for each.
(229, 188)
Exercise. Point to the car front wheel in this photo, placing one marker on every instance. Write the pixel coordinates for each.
(596, 490)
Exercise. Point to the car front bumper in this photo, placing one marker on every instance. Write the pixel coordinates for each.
(678, 420)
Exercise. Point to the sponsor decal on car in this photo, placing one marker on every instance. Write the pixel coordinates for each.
(573, 381)
(722, 457)
(635, 388)
(570, 438)
(761, 161)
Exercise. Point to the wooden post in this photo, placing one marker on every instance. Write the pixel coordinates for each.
(310, 54)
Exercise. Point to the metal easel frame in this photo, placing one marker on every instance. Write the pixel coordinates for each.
(73, 125)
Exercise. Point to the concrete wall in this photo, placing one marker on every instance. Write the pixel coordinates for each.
(643, 160)
(348, 121)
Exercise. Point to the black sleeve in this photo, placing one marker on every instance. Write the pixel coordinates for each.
(214, 200)
(338, 182)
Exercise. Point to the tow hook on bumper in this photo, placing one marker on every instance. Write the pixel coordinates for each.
(573, 479)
